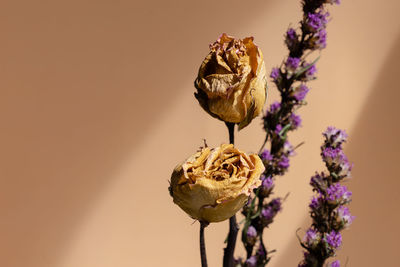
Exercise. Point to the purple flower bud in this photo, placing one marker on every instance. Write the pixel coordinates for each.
(335, 136)
(275, 73)
(333, 239)
(278, 129)
(310, 73)
(301, 92)
(274, 107)
(316, 202)
(338, 194)
(291, 38)
(316, 21)
(295, 120)
(344, 215)
(251, 262)
(266, 155)
(320, 42)
(292, 63)
(276, 204)
(267, 215)
(311, 238)
(319, 182)
(335, 264)
(266, 186)
(288, 149)
(251, 235)
(283, 162)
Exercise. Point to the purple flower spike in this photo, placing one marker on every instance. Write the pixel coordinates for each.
(333, 239)
(267, 215)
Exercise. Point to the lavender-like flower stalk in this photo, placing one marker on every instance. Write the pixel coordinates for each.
(327, 207)
(290, 79)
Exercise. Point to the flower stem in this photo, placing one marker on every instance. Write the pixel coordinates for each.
(203, 245)
(233, 227)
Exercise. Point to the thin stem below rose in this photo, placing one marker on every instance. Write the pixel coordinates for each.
(233, 227)
(203, 254)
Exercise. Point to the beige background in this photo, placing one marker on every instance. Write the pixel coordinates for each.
(97, 107)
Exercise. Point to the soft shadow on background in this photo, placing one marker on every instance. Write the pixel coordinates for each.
(82, 84)
(373, 145)
(97, 107)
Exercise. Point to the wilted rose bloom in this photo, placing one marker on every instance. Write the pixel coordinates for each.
(213, 184)
(231, 84)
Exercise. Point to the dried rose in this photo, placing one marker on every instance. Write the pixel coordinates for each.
(231, 84)
(213, 184)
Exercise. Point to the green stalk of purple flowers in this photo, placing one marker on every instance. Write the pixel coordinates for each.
(290, 80)
(327, 208)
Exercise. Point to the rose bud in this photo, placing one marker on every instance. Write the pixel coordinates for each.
(231, 84)
(213, 184)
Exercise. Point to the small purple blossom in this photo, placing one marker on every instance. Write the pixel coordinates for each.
(316, 202)
(267, 214)
(333, 239)
(276, 204)
(318, 182)
(291, 38)
(316, 21)
(320, 42)
(310, 73)
(266, 155)
(292, 63)
(274, 107)
(267, 185)
(344, 215)
(251, 235)
(283, 162)
(335, 136)
(311, 237)
(295, 121)
(338, 193)
(335, 264)
(301, 92)
(288, 148)
(251, 262)
(278, 129)
(275, 73)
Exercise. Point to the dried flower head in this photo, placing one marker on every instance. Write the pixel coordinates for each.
(231, 84)
(213, 184)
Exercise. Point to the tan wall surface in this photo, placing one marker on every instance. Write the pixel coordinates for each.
(97, 107)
